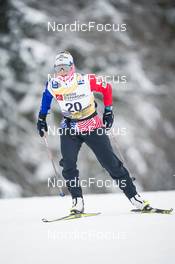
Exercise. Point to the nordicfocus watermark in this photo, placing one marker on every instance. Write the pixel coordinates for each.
(104, 79)
(54, 182)
(76, 26)
(57, 131)
(86, 235)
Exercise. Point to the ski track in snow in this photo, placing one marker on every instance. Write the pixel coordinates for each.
(115, 236)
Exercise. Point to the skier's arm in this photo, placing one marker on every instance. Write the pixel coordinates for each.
(45, 106)
(97, 85)
(46, 101)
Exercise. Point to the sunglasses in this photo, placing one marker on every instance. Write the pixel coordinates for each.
(64, 67)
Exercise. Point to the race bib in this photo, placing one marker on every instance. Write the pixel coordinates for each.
(74, 97)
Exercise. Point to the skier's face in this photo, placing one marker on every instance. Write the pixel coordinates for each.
(62, 70)
(62, 73)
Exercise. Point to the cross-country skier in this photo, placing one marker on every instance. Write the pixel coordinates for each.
(74, 93)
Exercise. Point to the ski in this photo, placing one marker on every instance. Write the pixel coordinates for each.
(150, 210)
(70, 217)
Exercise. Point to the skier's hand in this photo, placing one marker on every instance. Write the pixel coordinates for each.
(42, 125)
(108, 118)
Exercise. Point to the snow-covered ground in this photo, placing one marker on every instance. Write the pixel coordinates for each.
(115, 236)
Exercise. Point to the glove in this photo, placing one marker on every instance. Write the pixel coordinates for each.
(42, 125)
(108, 117)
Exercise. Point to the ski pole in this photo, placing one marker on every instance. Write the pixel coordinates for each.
(61, 193)
(122, 157)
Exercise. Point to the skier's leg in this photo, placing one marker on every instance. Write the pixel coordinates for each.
(101, 146)
(70, 146)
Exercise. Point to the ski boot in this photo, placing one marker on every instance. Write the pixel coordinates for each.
(77, 205)
(139, 203)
